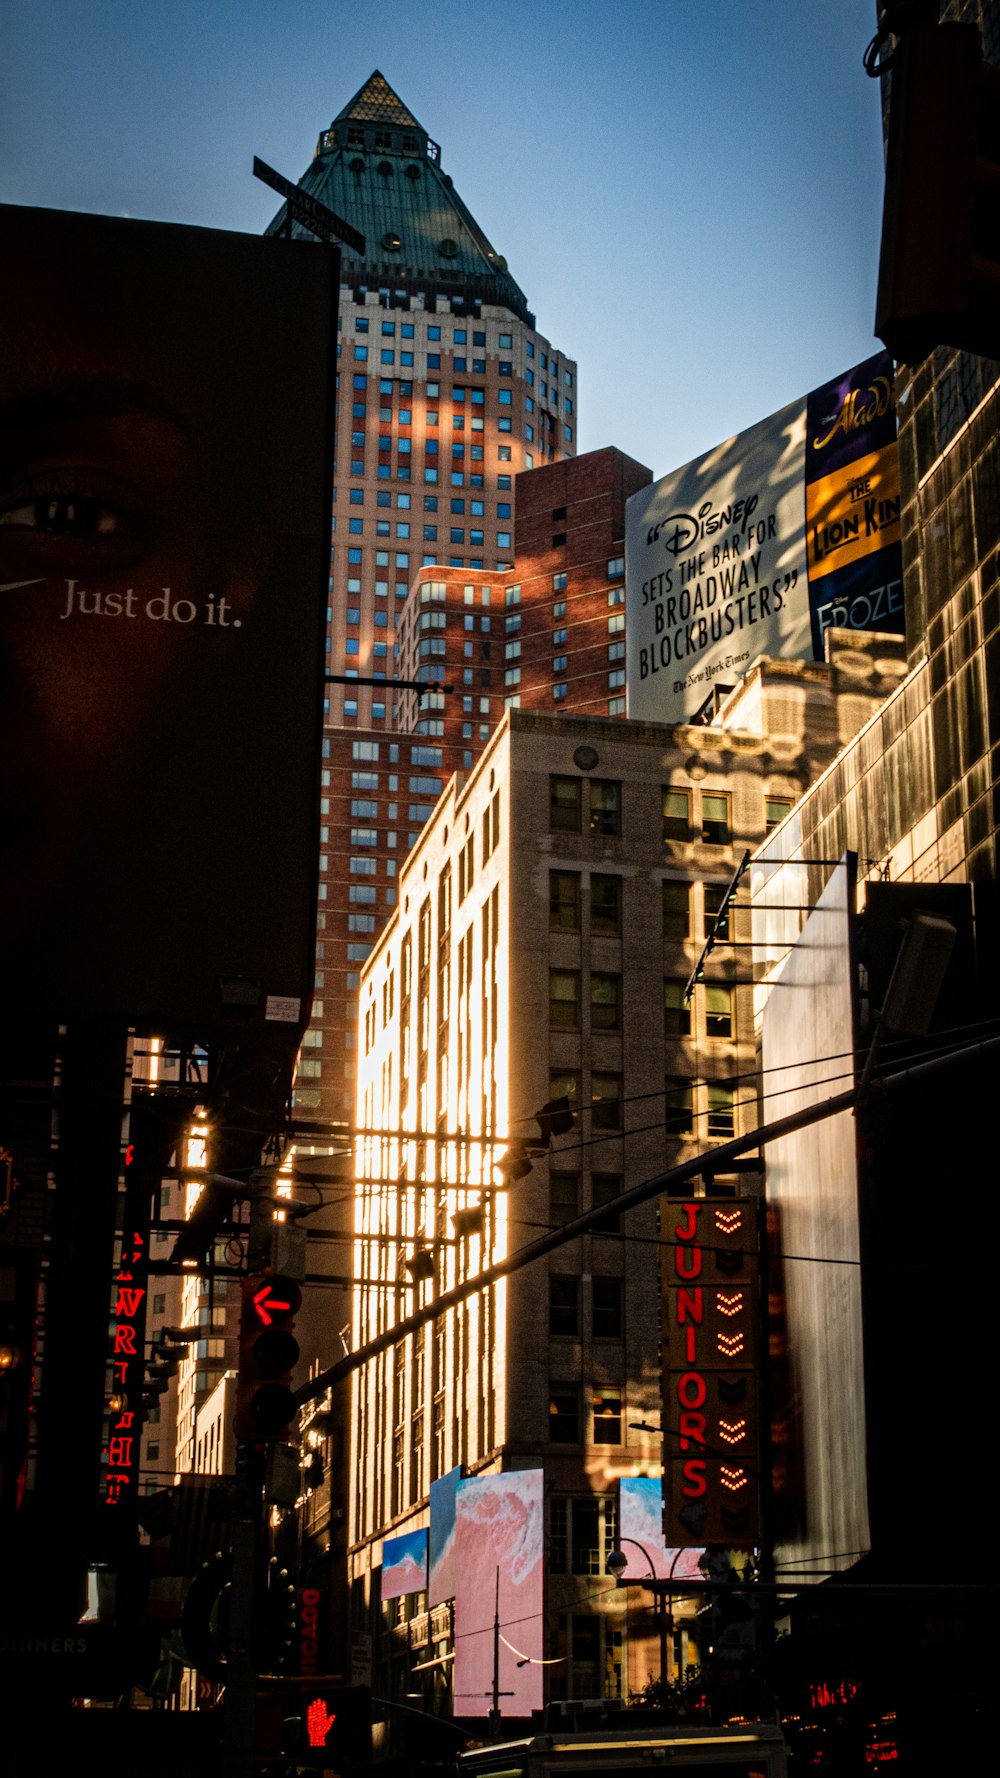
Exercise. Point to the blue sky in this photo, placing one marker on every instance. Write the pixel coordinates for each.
(688, 191)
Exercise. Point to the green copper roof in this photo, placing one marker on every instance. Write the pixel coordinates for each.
(377, 168)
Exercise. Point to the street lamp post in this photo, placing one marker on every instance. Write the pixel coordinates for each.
(616, 1564)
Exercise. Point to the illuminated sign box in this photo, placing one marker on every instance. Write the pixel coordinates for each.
(710, 1359)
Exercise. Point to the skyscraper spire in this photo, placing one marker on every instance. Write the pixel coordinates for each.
(377, 167)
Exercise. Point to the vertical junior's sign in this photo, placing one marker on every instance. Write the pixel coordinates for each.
(710, 1356)
(763, 544)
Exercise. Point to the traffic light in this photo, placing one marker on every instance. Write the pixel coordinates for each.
(329, 1725)
(268, 1352)
(939, 267)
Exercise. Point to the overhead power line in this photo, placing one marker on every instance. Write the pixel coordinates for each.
(655, 1187)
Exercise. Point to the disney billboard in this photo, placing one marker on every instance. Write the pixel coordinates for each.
(764, 544)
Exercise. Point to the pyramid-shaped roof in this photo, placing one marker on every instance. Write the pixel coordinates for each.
(377, 169)
(375, 102)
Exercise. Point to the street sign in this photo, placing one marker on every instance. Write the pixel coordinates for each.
(308, 211)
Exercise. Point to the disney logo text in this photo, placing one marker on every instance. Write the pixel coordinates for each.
(680, 531)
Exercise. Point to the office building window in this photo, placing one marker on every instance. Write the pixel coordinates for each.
(606, 1101)
(676, 909)
(564, 1197)
(676, 1010)
(605, 905)
(603, 1188)
(605, 806)
(605, 1001)
(606, 1310)
(564, 900)
(715, 895)
(582, 1532)
(677, 815)
(715, 825)
(718, 1010)
(564, 804)
(607, 1411)
(565, 1084)
(564, 1305)
(564, 1414)
(775, 810)
(679, 1113)
(721, 1110)
(564, 999)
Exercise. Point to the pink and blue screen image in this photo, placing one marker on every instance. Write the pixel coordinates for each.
(441, 1584)
(404, 1564)
(499, 1544)
(640, 1529)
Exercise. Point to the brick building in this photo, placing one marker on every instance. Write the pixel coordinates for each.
(546, 634)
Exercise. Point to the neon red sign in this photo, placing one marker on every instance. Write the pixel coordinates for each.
(709, 1385)
(121, 1452)
(309, 1631)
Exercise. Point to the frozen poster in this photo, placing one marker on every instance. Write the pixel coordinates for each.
(499, 1545)
(404, 1564)
(640, 1521)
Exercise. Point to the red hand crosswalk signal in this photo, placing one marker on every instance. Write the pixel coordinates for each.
(265, 1404)
(328, 1725)
(319, 1722)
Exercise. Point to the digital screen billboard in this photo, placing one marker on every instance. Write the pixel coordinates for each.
(165, 430)
(404, 1564)
(760, 546)
(640, 1522)
(441, 1578)
(499, 1548)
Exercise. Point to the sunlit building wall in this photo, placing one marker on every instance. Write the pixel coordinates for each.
(546, 634)
(547, 921)
(210, 1304)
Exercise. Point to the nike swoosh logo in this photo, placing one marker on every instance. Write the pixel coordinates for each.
(11, 586)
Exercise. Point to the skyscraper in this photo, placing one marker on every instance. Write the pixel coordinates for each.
(446, 393)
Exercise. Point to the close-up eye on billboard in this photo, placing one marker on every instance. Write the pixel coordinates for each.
(164, 554)
(765, 543)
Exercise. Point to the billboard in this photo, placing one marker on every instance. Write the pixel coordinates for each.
(404, 1564)
(442, 1582)
(821, 1501)
(499, 1545)
(763, 544)
(164, 559)
(640, 1521)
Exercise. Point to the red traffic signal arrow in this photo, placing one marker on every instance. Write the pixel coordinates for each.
(264, 1303)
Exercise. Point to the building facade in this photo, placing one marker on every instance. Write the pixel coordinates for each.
(546, 634)
(549, 919)
(446, 392)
